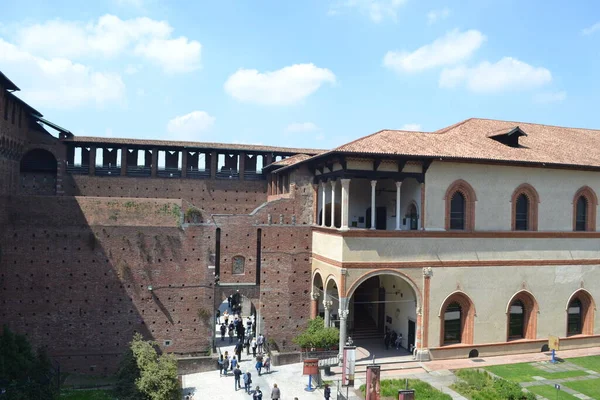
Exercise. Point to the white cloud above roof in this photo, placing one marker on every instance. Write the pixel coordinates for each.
(434, 16)
(285, 86)
(301, 127)
(451, 49)
(411, 127)
(190, 126)
(591, 29)
(377, 10)
(507, 74)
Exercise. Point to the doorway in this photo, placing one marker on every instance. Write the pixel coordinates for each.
(412, 329)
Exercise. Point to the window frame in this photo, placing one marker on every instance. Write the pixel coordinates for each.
(470, 198)
(533, 199)
(591, 206)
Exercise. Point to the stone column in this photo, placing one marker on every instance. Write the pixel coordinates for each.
(345, 203)
(92, 161)
(373, 185)
(398, 186)
(423, 206)
(343, 329)
(123, 161)
(214, 164)
(154, 168)
(333, 182)
(242, 165)
(184, 163)
(314, 305)
(323, 195)
(327, 305)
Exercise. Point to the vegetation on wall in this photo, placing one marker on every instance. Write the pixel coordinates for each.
(146, 375)
(24, 374)
(316, 336)
(193, 215)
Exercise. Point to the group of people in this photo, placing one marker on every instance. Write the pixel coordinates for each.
(391, 338)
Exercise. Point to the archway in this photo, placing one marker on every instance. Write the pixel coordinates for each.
(580, 313)
(38, 173)
(317, 295)
(331, 302)
(521, 314)
(236, 306)
(381, 304)
(457, 320)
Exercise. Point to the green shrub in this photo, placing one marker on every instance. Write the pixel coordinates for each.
(478, 385)
(317, 336)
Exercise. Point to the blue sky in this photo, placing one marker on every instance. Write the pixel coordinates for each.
(313, 73)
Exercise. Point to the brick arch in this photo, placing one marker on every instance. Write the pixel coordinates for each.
(533, 198)
(531, 310)
(588, 312)
(318, 273)
(467, 316)
(370, 274)
(331, 278)
(463, 187)
(592, 204)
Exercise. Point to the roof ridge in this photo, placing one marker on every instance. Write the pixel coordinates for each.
(533, 123)
(360, 138)
(456, 125)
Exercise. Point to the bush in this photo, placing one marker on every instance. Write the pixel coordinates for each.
(24, 374)
(478, 385)
(193, 215)
(145, 375)
(317, 336)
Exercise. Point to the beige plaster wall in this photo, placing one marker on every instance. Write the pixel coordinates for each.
(494, 186)
(491, 289)
(329, 246)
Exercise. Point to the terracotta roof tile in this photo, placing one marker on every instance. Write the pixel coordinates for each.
(291, 160)
(469, 140)
(169, 143)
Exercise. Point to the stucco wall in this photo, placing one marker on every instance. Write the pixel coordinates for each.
(491, 289)
(494, 186)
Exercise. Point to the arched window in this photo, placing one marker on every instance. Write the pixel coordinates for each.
(460, 206)
(452, 324)
(457, 320)
(525, 208)
(457, 211)
(516, 324)
(585, 203)
(581, 214)
(522, 213)
(574, 320)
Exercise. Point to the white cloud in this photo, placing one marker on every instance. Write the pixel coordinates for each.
(411, 127)
(139, 4)
(111, 36)
(59, 82)
(377, 10)
(131, 69)
(174, 55)
(505, 75)
(591, 29)
(550, 97)
(450, 49)
(190, 126)
(301, 127)
(434, 16)
(285, 86)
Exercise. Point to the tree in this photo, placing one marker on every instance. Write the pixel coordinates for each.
(146, 375)
(317, 336)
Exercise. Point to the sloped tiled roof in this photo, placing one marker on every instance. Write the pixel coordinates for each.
(170, 143)
(470, 139)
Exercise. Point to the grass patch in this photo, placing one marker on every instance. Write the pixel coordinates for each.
(477, 385)
(525, 372)
(549, 392)
(590, 362)
(86, 395)
(423, 390)
(590, 387)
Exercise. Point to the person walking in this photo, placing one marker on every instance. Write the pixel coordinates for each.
(225, 365)
(275, 393)
(234, 363)
(237, 374)
(229, 301)
(257, 394)
(220, 363)
(238, 350)
(258, 365)
(260, 341)
(327, 392)
(247, 381)
(254, 345)
(223, 329)
(231, 332)
(217, 316)
(241, 331)
(386, 338)
(247, 344)
(267, 364)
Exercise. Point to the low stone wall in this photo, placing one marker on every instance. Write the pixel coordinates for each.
(192, 365)
(278, 358)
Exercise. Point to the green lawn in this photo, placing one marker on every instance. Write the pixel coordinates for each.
(525, 372)
(423, 390)
(479, 385)
(549, 392)
(590, 362)
(590, 387)
(86, 395)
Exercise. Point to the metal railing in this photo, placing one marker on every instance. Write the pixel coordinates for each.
(198, 173)
(78, 169)
(254, 176)
(108, 170)
(169, 173)
(228, 174)
(138, 171)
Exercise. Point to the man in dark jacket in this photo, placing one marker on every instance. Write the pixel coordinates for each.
(237, 374)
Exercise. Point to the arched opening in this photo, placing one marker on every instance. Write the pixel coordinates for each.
(581, 214)
(474, 353)
(457, 320)
(457, 211)
(383, 306)
(38, 173)
(337, 209)
(460, 206)
(413, 217)
(525, 201)
(317, 295)
(236, 319)
(522, 213)
(522, 317)
(580, 314)
(329, 310)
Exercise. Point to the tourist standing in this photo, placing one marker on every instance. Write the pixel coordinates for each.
(237, 374)
(225, 365)
(231, 332)
(247, 381)
(327, 392)
(234, 363)
(259, 365)
(260, 341)
(257, 394)
(220, 363)
(223, 330)
(254, 345)
(275, 393)
(247, 344)
(238, 350)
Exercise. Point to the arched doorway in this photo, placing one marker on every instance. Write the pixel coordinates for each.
(236, 306)
(38, 173)
(380, 303)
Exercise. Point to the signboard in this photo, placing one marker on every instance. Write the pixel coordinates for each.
(553, 342)
(349, 366)
(373, 389)
(311, 367)
(406, 395)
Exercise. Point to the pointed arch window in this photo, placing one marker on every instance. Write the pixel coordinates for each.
(585, 203)
(457, 211)
(522, 213)
(452, 324)
(574, 324)
(581, 214)
(516, 325)
(525, 208)
(460, 206)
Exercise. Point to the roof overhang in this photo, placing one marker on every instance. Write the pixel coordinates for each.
(52, 125)
(7, 83)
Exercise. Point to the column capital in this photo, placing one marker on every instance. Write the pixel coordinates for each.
(427, 272)
(327, 304)
(373, 183)
(314, 295)
(343, 313)
(398, 184)
(323, 184)
(333, 182)
(345, 181)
